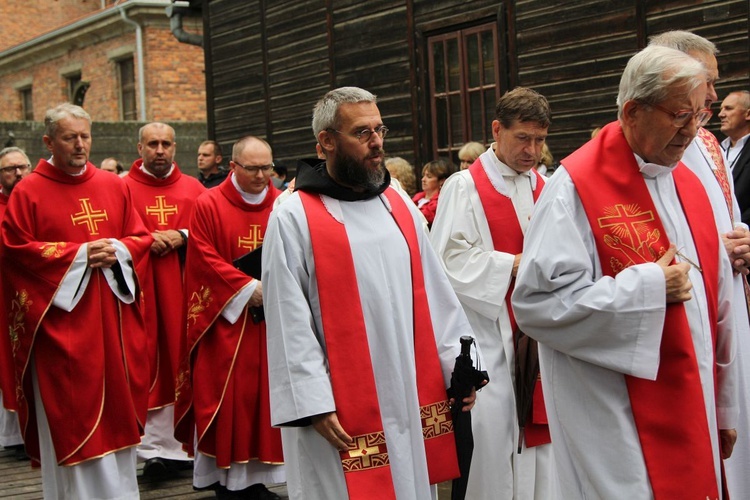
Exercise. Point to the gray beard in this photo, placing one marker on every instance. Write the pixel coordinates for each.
(352, 173)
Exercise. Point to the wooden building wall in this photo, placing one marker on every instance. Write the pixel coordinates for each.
(268, 61)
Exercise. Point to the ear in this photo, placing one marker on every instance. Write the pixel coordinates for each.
(139, 146)
(325, 139)
(630, 112)
(496, 125)
(47, 142)
(219, 159)
(232, 166)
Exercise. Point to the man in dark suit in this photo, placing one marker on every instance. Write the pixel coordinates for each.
(735, 124)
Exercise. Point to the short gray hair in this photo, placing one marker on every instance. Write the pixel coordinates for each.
(651, 73)
(744, 96)
(684, 41)
(14, 149)
(325, 113)
(60, 112)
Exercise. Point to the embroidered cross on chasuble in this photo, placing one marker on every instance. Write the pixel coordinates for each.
(627, 231)
(89, 216)
(162, 210)
(366, 465)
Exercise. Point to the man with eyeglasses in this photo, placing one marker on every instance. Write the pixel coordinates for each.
(14, 166)
(222, 386)
(363, 327)
(629, 294)
(705, 158)
(164, 199)
(478, 234)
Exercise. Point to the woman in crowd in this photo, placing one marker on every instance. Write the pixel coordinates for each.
(403, 172)
(434, 174)
(469, 152)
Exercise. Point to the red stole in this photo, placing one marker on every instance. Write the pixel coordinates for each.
(670, 412)
(366, 465)
(507, 237)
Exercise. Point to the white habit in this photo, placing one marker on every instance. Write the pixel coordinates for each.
(700, 161)
(593, 330)
(481, 278)
(300, 384)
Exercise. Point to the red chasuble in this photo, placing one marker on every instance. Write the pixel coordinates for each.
(669, 412)
(7, 370)
(507, 237)
(163, 204)
(366, 465)
(87, 360)
(222, 387)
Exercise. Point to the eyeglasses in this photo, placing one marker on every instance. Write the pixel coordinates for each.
(11, 169)
(365, 135)
(684, 116)
(254, 170)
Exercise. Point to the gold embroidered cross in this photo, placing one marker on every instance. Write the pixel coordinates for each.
(363, 451)
(434, 419)
(252, 240)
(621, 217)
(89, 217)
(161, 210)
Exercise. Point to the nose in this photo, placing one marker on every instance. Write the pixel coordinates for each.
(376, 142)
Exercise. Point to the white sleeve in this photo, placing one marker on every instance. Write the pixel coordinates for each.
(479, 275)
(300, 385)
(236, 305)
(74, 283)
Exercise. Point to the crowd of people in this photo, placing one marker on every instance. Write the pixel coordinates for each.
(259, 331)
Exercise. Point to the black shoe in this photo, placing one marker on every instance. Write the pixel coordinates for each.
(19, 452)
(260, 492)
(155, 468)
(178, 465)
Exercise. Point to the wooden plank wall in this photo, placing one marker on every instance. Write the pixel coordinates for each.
(271, 61)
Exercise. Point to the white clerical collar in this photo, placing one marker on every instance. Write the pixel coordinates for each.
(145, 171)
(51, 162)
(249, 198)
(489, 160)
(652, 169)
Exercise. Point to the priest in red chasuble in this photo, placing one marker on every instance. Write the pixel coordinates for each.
(629, 294)
(74, 250)
(164, 199)
(14, 166)
(222, 388)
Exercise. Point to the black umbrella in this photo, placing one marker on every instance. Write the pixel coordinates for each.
(463, 379)
(527, 372)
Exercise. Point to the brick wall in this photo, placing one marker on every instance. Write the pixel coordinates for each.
(175, 83)
(26, 19)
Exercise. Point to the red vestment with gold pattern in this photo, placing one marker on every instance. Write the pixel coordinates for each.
(87, 359)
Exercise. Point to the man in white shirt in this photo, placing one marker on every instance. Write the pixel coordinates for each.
(735, 124)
